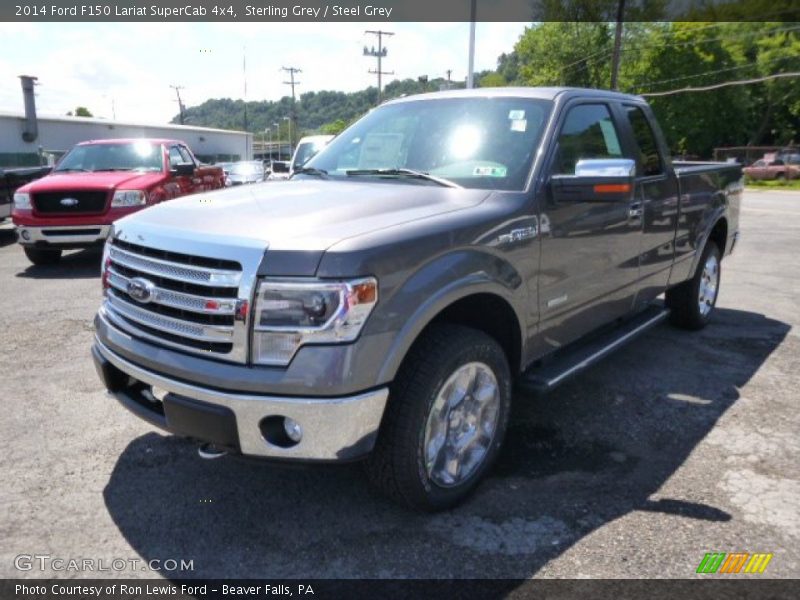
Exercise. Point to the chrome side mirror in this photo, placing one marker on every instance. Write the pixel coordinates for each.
(606, 167)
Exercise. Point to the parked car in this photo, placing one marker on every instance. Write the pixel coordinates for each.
(11, 180)
(279, 169)
(247, 171)
(98, 182)
(307, 147)
(772, 169)
(382, 303)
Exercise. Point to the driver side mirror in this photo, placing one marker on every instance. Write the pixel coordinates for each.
(596, 180)
(183, 169)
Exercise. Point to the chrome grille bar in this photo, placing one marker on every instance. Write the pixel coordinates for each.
(181, 300)
(177, 271)
(196, 331)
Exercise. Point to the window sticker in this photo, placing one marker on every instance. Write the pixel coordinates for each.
(380, 151)
(516, 115)
(489, 171)
(519, 125)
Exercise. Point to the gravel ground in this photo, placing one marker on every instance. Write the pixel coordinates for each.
(679, 444)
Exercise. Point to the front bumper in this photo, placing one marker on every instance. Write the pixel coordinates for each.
(334, 429)
(62, 236)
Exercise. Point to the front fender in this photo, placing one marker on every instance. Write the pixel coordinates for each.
(412, 305)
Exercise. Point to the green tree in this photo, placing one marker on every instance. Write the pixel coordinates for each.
(82, 111)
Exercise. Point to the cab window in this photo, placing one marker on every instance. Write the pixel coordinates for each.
(648, 162)
(588, 132)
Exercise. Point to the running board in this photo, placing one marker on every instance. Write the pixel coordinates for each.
(577, 357)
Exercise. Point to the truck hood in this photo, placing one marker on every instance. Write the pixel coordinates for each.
(100, 180)
(303, 215)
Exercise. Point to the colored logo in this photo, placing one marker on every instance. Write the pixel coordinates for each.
(734, 562)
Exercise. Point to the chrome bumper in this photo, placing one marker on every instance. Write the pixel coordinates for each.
(57, 235)
(333, 428)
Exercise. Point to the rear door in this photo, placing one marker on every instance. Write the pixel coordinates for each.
(657, 192)
(590, 249)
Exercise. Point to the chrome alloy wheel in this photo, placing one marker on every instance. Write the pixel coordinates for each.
(461, 424)
(709, 282)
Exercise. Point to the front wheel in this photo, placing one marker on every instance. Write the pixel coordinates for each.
(693, 301)
(42, 256)
(446, 418)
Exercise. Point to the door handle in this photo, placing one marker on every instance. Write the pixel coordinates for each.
(635, 211)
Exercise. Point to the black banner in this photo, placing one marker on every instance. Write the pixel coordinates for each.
(398, 10)
(733, 588)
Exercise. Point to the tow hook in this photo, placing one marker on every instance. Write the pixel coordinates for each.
(210, 451)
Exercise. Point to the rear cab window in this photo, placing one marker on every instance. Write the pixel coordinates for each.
(648, 159)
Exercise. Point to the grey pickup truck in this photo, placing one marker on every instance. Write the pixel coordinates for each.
(384, 302)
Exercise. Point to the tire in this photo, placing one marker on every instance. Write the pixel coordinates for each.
(40, 256)
(685, 300)
(397, 465)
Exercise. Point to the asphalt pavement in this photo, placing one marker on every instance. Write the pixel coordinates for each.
(678, 445)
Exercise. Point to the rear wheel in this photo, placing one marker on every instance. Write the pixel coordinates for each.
(446, 419)
(42, 256)
(693, 301)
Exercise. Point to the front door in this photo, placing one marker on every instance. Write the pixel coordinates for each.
(590, 248)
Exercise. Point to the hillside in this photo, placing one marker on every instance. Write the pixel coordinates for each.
(316, 111)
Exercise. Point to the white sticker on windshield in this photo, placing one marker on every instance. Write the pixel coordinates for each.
(489, 171)
(516, 115)
(519, 125)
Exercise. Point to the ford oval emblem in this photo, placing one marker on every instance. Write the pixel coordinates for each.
(141, 290)
(69, 202)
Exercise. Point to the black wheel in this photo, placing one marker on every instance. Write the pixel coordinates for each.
(445, 420)
(42, 256)
(693, 301)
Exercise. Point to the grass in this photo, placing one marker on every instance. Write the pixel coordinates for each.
(793, 184)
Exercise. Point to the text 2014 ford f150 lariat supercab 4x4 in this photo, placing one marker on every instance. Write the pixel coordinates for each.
(381, 304)
(98, 182)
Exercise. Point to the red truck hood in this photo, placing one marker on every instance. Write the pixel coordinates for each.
(101, 180)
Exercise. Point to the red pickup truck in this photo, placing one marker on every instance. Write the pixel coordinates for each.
(98, 182)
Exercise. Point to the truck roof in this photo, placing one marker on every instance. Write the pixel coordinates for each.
(544, 93)
(131, 140)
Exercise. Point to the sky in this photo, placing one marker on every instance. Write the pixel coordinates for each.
(131, 66)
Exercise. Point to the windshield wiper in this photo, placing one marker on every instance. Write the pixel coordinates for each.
(322, 173)
(68, 169)
(117, 169)
(402, 173)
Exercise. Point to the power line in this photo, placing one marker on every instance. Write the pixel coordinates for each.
(705, 73)
(722, 85)
(379, 54)
(646, 46)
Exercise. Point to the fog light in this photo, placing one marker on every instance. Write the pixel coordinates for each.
(25, 235)
(292, 429)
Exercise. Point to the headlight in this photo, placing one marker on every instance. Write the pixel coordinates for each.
(289, 315)
(128, 198)
(22, 201)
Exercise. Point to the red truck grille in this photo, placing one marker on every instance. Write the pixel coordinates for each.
(70, 203)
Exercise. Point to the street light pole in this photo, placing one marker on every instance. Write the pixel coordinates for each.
(291, 149)
(277, 127)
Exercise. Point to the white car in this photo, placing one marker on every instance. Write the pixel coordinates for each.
(308, 147)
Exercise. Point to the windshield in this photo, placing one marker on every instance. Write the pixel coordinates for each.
(304, 152)
(128, 156)
(485, 143)
(246, 168)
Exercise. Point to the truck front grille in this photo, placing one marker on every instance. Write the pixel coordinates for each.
(190, 302)
(70, 203)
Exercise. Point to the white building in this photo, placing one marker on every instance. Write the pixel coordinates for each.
(55, 135)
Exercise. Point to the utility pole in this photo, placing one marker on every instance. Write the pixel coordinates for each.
(617, 45)
(244, 77)
(380, 53)
(449, 73)
(471, 61)
(177, 89)
(292, 82)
